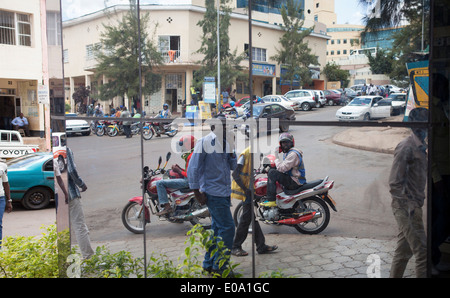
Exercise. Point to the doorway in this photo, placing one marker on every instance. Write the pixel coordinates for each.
(171, 99)
(7, 111)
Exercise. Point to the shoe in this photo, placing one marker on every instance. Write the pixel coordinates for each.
(239, 252)
(166, 211)
(268, 249)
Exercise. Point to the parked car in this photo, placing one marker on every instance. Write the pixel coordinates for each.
(321, 99)
(398, 101)
(270, 111)
(305, 98)
(77, 126)
(333, 97)
(12, 145)
(282, 100)
(31, 179)
(59, 141)
(364, 108)
(394, 89)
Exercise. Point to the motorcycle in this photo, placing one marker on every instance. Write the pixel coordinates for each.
(183, 202)
(155, 128)
(305, 208)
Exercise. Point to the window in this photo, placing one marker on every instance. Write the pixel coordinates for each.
(345, 41)
(66, 56)
(242, 87)
(338, 52)
(89, 52)
(15, 28)
(332, 41)
(53, 28)
(332, 52)
(169, 47)
(344, 52)
(258, 54)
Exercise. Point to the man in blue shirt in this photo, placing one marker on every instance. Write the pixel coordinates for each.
(209, 176)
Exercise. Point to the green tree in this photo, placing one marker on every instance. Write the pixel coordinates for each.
(294, 55)
(335, 74)
(230, 68)
(118, 58)
(381, 63)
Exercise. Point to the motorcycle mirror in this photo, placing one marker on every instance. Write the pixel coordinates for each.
(146, 169)
(261, 156)
(169, 154)
(159, 161)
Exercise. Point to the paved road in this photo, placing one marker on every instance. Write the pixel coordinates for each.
(111, 169)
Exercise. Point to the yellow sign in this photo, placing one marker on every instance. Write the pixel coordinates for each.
(204, 110)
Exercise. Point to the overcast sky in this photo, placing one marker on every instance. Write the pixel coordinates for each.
(348, 11)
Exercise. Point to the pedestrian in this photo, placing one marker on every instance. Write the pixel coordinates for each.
(209, 176)
(240, 190)
(364, 89)
(126, 123)
(407, 182)
(76, 213)
(60, 181)
(5, 196)
(21, 122)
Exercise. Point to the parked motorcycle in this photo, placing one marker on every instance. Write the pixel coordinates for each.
(156, 129)
(305, 208)
(183, 202)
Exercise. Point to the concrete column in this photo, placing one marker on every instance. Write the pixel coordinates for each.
(274, 85)
(72, 90)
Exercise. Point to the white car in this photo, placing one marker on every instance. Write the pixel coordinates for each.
(364, 108)
(322, 100)
(398, 101)
(77, 126)
(305, 98)
(394, 89)
(288, 104)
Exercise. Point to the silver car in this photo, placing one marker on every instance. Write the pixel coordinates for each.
(304, 98)
(77, 126)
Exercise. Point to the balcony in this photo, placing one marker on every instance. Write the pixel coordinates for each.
(171, 56)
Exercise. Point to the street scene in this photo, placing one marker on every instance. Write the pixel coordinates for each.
(294, 138)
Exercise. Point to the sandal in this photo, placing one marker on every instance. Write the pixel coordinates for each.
(268, 249)
(239, 252)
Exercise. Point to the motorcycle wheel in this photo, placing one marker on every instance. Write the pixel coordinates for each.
(237, 213)
(111, 131)
(132, 217)
(147, 133)
(205, 222)
(172, 133)
(317, 225)
(100, 131)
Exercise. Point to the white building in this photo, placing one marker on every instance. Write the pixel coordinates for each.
(178, 31)
(30, 39)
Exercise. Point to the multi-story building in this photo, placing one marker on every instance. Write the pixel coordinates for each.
(178, 38)
(31, 68)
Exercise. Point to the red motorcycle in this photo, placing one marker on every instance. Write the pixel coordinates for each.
(305, 208)
(136, 212)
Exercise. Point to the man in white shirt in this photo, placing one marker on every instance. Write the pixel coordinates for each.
(21, 122)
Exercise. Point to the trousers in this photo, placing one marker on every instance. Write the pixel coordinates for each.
(411, 241)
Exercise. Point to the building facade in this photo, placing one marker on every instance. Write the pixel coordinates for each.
(178, 38)
(31, 68)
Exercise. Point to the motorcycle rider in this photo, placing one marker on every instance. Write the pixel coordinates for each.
(186, 146)
(289, 172)
(164, 114)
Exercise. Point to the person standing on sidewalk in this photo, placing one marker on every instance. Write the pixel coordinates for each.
(5, 196)
(75, 207)
(240, 190)
(407, 182)
(126, 123)
(209, 176)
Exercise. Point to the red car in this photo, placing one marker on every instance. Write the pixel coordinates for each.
(333, 97)
(242, 101)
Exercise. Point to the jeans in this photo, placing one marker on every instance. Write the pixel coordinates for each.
(282, 178)
(223, 226)
(161, 186)
(78, 225)
(2, 211)
(242, 228)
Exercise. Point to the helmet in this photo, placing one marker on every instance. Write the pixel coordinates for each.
(285, 136)
(165, 105)
(186, 143)
(232, 103)
(269, 160)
